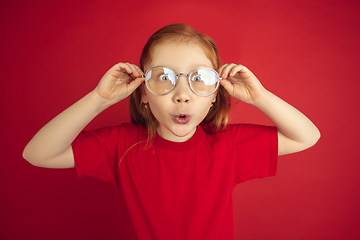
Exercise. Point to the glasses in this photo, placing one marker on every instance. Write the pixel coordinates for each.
(162, 80)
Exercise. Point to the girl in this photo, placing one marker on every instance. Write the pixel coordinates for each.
(178, 162)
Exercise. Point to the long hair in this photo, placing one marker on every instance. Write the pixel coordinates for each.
(218, 115)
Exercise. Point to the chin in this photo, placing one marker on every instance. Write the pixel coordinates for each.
(183, 132)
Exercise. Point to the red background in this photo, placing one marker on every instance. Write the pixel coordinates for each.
(307, 52)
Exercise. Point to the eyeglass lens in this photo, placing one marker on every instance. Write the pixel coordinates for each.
(161, 80)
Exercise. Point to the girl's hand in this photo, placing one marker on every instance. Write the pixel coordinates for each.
(119, 82)
(240, 83)
(295, 131)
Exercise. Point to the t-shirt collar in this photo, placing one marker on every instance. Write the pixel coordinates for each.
(180, 146)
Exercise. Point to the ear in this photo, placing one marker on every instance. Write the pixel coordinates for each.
(144, 99)
(143, 94)
(214, 99)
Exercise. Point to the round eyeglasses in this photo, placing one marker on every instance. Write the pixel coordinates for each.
(162, 80)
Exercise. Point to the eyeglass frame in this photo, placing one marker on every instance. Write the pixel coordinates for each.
(188, 77)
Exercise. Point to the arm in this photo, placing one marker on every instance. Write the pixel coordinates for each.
(295, 131)
(51, 146)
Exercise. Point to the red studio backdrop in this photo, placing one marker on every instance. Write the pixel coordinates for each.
(307, 52)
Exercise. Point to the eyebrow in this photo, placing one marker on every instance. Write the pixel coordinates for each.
(192, 67)
(199, 65)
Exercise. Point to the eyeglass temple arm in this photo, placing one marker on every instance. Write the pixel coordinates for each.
(144, 76)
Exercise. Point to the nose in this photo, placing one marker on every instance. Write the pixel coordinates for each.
(182, 90)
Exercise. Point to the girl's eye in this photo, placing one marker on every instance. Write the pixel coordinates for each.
(197, 78)
(164, 77)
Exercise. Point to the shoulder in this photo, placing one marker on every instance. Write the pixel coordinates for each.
(130, 127)
(237, 128)
(251, 135)
(133, 129)
(248, 128)
(110, 132)
(245, 132)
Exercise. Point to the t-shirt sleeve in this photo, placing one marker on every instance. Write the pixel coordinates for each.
(256, 151)
(96, 155)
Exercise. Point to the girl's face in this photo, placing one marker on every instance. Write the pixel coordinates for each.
(180, 111)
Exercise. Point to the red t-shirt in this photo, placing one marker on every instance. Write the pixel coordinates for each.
(173, 190)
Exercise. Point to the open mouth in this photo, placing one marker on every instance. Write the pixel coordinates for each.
(181, 119)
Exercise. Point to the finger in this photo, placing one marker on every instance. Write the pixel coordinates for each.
(236, 69)
(227, 69)
(244, 72)
(221, 69)
(134, 71)
(124, 68)
(135, 84)
(118, 69)
(139, 70)
(228, 86)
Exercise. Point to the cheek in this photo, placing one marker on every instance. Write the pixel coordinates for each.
(158, 105)
(204, 106)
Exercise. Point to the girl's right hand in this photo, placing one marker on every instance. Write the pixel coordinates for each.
(119, 82)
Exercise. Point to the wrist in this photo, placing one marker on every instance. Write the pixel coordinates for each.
(261, 97)
(99, 103)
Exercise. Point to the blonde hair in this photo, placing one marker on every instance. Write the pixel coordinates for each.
(218, 115)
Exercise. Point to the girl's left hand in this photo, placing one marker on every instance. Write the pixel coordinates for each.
(240, 83)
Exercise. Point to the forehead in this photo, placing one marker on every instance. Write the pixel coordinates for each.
(181, 56)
